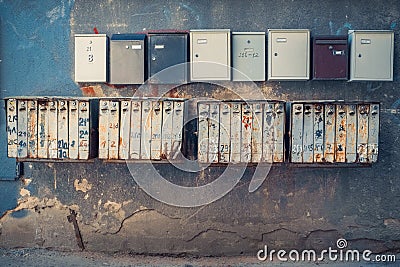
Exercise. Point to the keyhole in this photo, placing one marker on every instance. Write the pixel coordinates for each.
(276, 54)
(197, 55)
(248, 41)
(359, 55)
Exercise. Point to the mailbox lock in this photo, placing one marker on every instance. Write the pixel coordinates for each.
(196, 55)
(359, 55)
(276, 54)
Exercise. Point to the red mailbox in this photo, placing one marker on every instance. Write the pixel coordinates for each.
(330, 58)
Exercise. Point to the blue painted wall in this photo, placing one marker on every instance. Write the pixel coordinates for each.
(35, 56)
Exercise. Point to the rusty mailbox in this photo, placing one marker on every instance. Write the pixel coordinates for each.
(140, 128)
(240, 131)
(334, 132)
(51, 128)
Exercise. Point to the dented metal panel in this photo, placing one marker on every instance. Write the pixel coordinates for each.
(73, 142)
(279, 132)
(236, 129)
(103, 129)
(373, 135)
(330, 122)
(43, 124)
(247, 123)
(256, 134)
(340, 144)
(224, 132)
(32, 130)
(319, 132)
(308, 133)
(213, 133)
(351, 133)
(12, 134)
(268, 132)
(297, 133)
(113, 129)
(362, 133)
(22, 126)
(52, 129)
(156, 123)
(135, 129)
(62, 133)
(204, 114)
(124, 131)
(146, 130)
(177, 128)
(167, 121)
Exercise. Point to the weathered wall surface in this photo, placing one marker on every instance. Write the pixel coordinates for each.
(294, 208)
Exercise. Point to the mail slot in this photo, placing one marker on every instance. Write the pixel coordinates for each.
(127, 58)
(140, 128)
(371, 57)
(168, 53)
(288, 54)
(210, 55)
(248, 56)
(91, 57)
(334, 132)
(330, 58)
(241, 132)
(52, 128)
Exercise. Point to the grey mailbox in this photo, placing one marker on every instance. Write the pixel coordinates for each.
(210, 55)
(168, 53)
(127, 59)
(371, 55)
(248, 56)
(288, 54)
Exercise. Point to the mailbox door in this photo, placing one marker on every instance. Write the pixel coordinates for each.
(52, 129)
(12, 130)
(22, 128)
(168, 50)
(373, 138)
(204, 116)
(372, 56)
(136, 129)
(90, 58)
(308, 133)
(213, 133)
(248, 56)
(362, 134)
(127, 59)
(330, 126)
(177, 127)
(351, 133)
(62, 134)
(279, 132)
(73, 120)
(32, 128)
(318, 132)
(236, 124)
(125, 126)
(256, 134)
(43, 132)
(210, 55)
(224, 132)
(297, 133)
(288, 55)
(330, 58)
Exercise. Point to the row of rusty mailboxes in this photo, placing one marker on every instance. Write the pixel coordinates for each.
(217, 54)
(234, 131)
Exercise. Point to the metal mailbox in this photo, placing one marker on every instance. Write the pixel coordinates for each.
(140, 128)
(330, 58)
(210, 55)
(334, 132)
(248, 56)
(288, 54)
(371, 57)
(91, 57)
(128, 58)
(51, 128)
(241, 132)
(168, 53)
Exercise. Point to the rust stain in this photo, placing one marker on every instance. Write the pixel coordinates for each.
(95, 90)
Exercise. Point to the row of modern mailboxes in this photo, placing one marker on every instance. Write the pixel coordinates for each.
(161, 57)
(227, 131)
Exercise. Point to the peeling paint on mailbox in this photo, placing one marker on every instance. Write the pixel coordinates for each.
(334, 132)
(250, 131)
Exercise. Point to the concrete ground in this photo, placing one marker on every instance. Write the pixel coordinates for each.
(47, 258)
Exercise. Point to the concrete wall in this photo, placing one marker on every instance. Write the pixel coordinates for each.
(294, 208)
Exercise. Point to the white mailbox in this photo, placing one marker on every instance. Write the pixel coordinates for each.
(91, 57)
